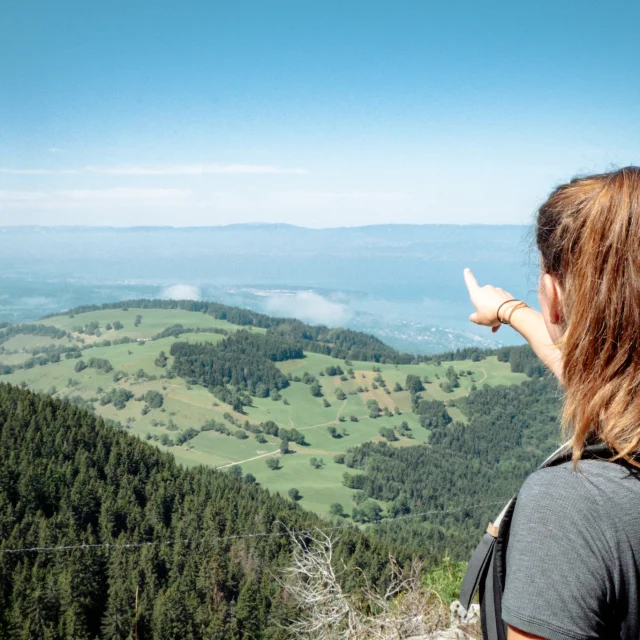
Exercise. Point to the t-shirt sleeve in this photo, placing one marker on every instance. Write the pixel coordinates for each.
(557, 584)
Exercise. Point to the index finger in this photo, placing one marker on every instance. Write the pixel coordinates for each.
(470, 280)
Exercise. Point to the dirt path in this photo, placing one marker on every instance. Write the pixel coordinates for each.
(219, 410)
(326, 424)
(464, 395)
(262, 455)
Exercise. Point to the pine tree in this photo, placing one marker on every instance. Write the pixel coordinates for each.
(249, 624)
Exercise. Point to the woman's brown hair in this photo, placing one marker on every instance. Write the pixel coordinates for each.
(588, 234)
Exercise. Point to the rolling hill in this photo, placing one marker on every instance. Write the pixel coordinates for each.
(116, 360)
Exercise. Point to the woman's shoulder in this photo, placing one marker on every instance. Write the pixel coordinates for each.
(588, 476)
(566, 550)
(595, 490)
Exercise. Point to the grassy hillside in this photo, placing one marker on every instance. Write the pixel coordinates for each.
(135, 367)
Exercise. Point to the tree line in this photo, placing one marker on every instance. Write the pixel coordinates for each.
(339, 343)
(8, 331)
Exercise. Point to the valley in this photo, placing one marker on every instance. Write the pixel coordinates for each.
(332, 423)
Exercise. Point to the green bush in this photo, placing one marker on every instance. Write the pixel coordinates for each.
(446, 579)
(153, 399)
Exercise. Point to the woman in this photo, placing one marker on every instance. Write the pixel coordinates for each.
(573, 559)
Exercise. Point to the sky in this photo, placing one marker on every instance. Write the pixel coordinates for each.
(318, 114)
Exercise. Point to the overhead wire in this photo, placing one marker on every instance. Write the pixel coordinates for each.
(258, 534)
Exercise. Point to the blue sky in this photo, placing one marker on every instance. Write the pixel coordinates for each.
(311, 113)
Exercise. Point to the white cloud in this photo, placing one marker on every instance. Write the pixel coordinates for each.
(116, 195)
(37, 172)
(323, 197)
(181, 292)
(196, 170)
(163, 170)
(309, 307)
(121, 193)
(16, 197)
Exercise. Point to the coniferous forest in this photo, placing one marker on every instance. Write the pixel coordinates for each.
(509, 432)
(244, 361)
(167, 535)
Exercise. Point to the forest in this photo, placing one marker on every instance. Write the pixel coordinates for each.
(136, 526)
(510, 430)
(243, 360)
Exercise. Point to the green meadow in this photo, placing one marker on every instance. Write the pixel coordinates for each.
(190, 406)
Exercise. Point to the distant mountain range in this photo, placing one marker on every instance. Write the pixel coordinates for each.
(401, 282)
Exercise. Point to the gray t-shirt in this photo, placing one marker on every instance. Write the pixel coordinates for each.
(573, 559)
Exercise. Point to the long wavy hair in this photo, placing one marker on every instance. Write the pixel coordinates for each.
(588, 235)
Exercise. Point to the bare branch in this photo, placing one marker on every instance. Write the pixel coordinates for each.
(405, 609)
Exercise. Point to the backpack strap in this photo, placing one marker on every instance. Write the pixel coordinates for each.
(500, 572)
(477, 569)
(480, 560)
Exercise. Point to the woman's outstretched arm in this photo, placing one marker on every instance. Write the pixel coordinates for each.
(526, 321)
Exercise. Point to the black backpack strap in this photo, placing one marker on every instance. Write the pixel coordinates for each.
(478, 566)
(488, 620)
(500, 570)
(476, 569)
(480, 560)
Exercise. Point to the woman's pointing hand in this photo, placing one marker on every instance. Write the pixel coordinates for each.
(486, 300)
